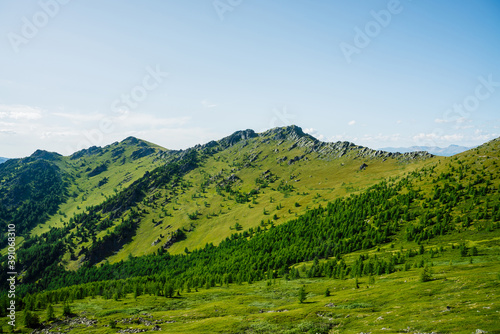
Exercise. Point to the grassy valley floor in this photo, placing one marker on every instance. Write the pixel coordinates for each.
(461, 297)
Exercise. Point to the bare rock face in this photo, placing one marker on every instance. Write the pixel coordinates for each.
(237, 137)
(292, 132)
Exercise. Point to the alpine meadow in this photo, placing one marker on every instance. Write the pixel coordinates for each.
(273, 232)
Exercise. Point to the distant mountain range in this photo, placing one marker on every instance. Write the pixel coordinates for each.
(2, 160)
(443, 151)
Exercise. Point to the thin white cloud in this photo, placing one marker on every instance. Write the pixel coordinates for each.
(138, 120)
(7, 132)
(352, 122)
(313, 132)
(459, 120)
(425, 136)
(176, 137)
(20, 112)
(309, 130)
(463, 120)
(434, 138)
(77, 117)
(207, 104)
(452, 138)
(66, 132)
(486, 137)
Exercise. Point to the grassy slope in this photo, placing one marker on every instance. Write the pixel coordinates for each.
(85, 191)
(88, 193)
(315, 181)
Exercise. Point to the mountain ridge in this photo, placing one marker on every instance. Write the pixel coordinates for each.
(280, 206)
(300, 139)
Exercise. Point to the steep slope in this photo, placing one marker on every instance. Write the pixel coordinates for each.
(248, 178)
(31, 190)
(98, 173)
(41, 191)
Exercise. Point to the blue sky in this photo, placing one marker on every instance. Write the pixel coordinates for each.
(76, 73)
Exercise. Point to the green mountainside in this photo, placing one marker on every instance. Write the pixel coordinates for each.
(247, 234)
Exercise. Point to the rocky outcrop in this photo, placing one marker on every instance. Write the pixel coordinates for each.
(295, 159)
(142, 152)
(292, 132)
(237, 137)
(296, 138)
(175, 236)
(89, 151)
(326, 150)
(44, 155)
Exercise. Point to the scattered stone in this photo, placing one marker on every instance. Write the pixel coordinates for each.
(132, 330)
(70, 322)
(273, 311)
(295, 159)
(282, 159)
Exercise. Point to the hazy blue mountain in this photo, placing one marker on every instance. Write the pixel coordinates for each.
(2, 160)
(443, 151)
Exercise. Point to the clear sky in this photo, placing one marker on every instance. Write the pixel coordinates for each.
(78, 73)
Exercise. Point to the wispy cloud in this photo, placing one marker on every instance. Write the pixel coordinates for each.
(66, 132)
(77, 117)
(20, 112)
(141, 120)
(207, 104)
(313, 132)
(437, 137)
(351, 122)
(459, 120)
